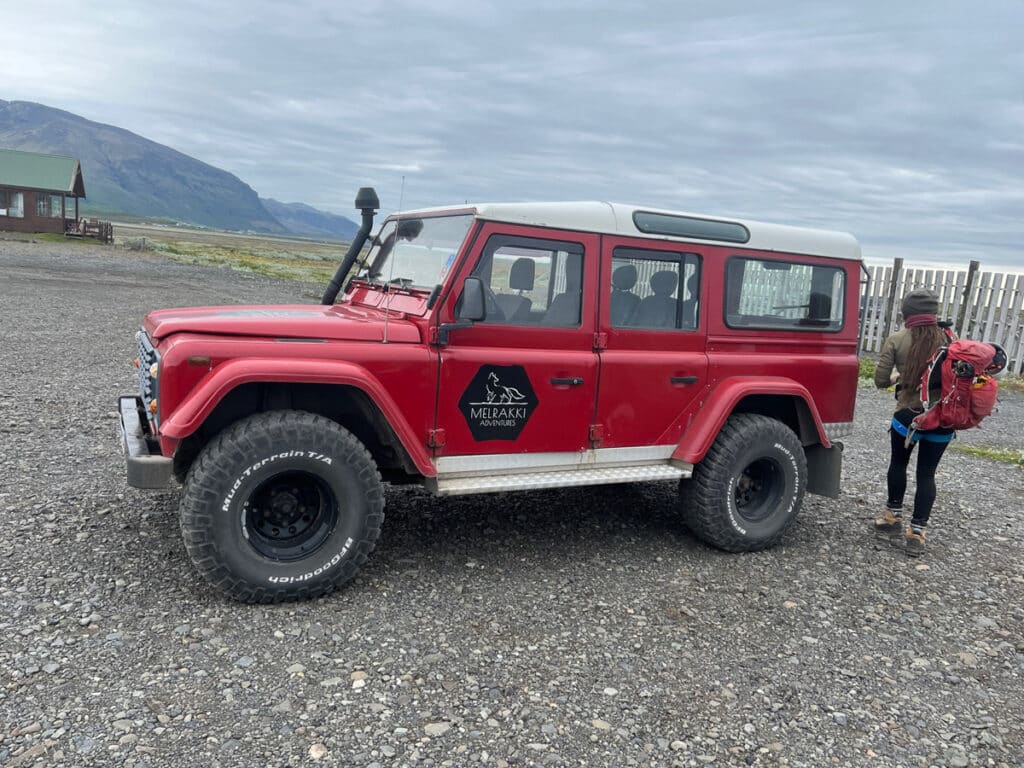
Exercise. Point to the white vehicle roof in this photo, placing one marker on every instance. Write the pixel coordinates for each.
(619, 219)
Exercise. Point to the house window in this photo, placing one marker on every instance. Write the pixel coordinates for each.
(42, 205)
(12, 204)
(56, 209)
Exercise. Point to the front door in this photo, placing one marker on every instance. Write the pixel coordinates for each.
(524, 380)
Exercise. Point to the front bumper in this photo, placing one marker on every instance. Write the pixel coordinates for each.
(146, 468)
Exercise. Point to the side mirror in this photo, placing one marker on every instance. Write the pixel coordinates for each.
(472, 307)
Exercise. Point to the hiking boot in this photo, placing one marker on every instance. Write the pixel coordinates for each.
(914, 539)
(889, 524)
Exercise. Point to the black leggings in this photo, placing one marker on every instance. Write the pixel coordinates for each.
(927, 460)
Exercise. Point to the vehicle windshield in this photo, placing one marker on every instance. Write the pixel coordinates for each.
(414, 252)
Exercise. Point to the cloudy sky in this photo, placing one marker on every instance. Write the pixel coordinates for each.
(902, 122)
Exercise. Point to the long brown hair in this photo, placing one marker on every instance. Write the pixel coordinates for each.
(924, 341)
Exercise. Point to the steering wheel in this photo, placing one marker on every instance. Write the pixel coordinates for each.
(494, 312)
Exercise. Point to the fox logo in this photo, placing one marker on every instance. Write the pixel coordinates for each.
(499, 393)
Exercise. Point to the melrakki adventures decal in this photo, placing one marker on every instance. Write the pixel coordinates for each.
(498, 402)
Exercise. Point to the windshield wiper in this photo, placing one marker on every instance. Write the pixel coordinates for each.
(369, 282)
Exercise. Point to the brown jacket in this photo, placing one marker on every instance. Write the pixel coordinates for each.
(894, 354)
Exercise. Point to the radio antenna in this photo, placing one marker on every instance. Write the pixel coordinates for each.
(394, 255)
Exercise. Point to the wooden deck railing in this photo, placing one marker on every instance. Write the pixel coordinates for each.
(101, 230)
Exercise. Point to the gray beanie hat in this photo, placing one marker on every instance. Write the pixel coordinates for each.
(921, 301)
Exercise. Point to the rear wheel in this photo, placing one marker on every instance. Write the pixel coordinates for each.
(280, 506)
(748, 489)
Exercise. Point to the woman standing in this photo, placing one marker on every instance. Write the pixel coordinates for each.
(908, 351)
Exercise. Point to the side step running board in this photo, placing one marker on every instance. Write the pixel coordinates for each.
(524, 481)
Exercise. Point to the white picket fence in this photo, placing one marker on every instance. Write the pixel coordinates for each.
(985, 306)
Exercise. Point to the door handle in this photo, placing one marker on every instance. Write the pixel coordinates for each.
(575, 381)
(684, 379)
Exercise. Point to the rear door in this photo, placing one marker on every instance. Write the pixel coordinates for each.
(524, 380)
(653, 324)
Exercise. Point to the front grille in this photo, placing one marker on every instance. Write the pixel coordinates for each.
(148, 385)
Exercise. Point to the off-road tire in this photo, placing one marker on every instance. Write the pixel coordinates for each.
(748, 488)
(238, 490)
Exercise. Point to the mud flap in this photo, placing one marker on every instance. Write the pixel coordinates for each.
(824, 469)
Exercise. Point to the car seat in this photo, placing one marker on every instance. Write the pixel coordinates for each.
(565, 307)
(624, 302)
(514, 306)
(659, 309)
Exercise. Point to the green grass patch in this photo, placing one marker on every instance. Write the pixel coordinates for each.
(867, 368)
(298, 263)
(53, 237)
(1005, 455)
(1012, 383)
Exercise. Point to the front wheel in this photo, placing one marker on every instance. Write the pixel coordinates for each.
(280, 506)
(748, 489)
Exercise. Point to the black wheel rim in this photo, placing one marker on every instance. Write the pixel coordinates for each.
(758, 489)
(289, 516)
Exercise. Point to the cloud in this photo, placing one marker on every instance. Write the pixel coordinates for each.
(898, 125)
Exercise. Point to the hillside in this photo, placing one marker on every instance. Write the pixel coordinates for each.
(127, 173)
(308, 221)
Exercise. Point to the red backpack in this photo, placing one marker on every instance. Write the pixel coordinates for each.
(963, 374)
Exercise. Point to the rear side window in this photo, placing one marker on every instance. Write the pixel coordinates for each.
(654, 290)
(761, 293)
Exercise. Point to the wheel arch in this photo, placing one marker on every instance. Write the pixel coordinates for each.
(346, 405)
(782, 399)
(357, 402)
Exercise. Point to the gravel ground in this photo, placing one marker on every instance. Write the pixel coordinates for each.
(562, 628)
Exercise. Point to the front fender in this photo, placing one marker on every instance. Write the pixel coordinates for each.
(204, 397)
(725, 395)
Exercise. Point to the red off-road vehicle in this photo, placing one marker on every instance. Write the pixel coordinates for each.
(494, 348)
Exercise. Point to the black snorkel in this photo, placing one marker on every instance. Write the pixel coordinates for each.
(368, 203)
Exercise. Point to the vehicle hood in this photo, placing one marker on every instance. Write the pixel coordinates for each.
(299, 321)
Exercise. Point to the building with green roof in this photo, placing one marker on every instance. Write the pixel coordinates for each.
(39, 193)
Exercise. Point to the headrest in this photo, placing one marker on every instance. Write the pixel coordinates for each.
(664, 282)
(573, 273)
(624, 277)
(692, 284)
(521, 276)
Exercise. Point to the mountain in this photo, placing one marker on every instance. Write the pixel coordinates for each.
(308, 221)
(126, 173)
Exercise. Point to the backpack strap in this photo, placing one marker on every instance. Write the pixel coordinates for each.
(910, 433)
(914, 433)
(932, 377)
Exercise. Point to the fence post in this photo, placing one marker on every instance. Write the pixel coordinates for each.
(890, 305)
(961, 321)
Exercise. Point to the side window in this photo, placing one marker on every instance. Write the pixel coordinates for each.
(532, 282)
(783, 294)
(654, 289)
